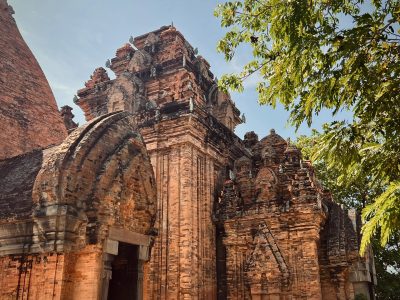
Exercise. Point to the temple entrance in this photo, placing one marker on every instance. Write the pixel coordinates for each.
(124, 279)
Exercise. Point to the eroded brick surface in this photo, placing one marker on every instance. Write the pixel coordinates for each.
(48, 276)
(28, 112)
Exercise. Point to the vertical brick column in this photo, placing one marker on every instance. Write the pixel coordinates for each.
(182, 263)
(171, 223)
(186, 254)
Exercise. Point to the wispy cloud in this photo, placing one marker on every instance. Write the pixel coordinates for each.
(62, 87)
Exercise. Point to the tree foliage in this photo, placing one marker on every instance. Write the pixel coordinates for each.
(387, 265)
(324, 54)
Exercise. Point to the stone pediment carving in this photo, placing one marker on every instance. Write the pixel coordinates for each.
(268, 155)
(230, 202)
(151, 39)
(266, 184)
(243, 167)
(127, 93)
(70, 194)
(266, 262)
(140, 61)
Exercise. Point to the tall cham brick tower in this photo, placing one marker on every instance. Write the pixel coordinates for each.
(187, 125)
(29, 116)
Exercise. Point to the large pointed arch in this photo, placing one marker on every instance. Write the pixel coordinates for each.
(100, 176)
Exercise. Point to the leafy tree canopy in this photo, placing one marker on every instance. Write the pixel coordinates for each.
(341, 54)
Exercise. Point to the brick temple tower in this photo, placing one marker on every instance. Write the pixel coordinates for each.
(236, 219)
(156, 197)
(187, 125)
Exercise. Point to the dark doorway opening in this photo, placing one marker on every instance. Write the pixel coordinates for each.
(123, 283)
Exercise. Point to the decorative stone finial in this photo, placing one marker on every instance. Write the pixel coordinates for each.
(250, 139)
(108, 63)
(11, 10)
(99, 75)
(124, 51)
(67, 115)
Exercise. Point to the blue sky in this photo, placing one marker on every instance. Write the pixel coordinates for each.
(71, 38)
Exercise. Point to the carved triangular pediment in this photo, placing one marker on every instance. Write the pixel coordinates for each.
(266, 262)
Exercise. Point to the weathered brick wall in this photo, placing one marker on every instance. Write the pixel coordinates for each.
(183, 261)
(75, 275)
(31, 276)
(28, 111)
(83, 272)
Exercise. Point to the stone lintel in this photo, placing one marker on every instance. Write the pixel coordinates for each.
(111, 247)
(125, 236)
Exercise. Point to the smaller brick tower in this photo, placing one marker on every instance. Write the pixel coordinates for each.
(281, 235)
(187, 125)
